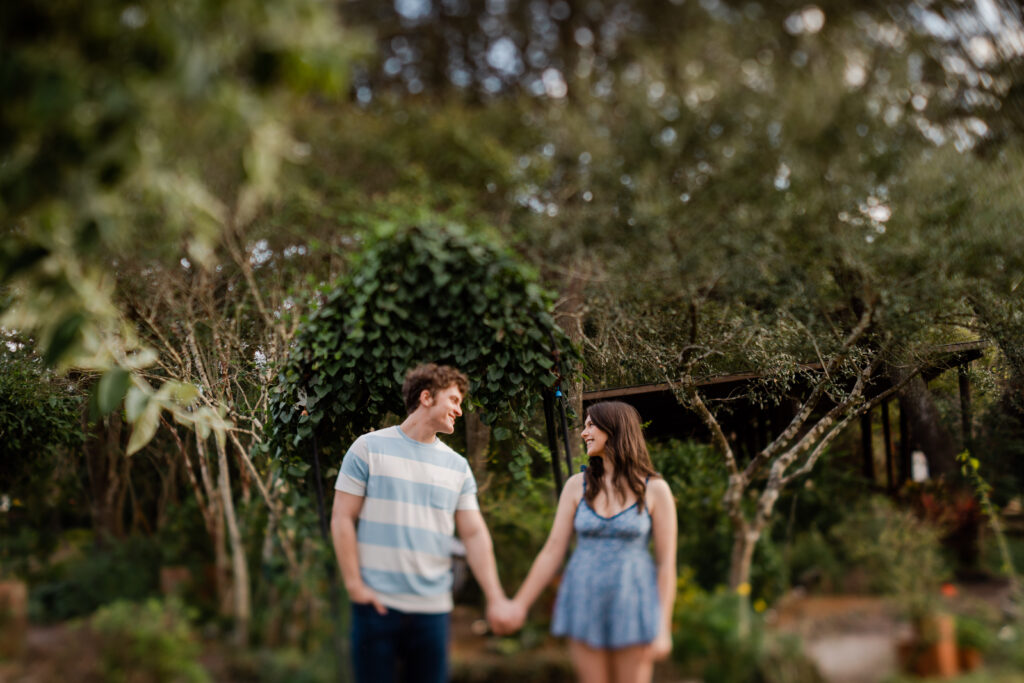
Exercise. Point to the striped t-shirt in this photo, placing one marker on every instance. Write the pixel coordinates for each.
(407, 523)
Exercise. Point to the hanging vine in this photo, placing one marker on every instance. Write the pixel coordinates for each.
(415, 295)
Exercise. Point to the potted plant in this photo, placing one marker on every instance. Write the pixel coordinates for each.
(973, 639)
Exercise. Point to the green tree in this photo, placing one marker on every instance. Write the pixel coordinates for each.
(144, 124)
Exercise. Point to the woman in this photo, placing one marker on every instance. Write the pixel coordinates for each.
(614, 602)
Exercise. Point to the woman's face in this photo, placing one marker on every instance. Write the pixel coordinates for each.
(593, 437)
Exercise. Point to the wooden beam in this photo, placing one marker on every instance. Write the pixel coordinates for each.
(867, 446)
(965, 405)
(890, 473)
(905, 450)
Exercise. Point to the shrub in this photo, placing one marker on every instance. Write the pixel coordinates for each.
(519, 517)
(814, 562)
(708, 637)
(122, 570)
(717, 637)
(898, 553)
(148, 642)
(697, 477)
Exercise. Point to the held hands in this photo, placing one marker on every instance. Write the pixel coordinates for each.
(362, 595)
(505, 616)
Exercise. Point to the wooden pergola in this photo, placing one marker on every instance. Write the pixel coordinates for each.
(750, 427)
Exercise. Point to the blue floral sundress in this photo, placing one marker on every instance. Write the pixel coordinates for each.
(608, 597)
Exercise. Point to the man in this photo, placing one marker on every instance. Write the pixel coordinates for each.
(406, 491)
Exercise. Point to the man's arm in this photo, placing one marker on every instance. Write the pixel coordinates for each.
(501, 613)
(343, 532)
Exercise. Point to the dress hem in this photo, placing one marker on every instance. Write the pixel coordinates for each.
(604, 647)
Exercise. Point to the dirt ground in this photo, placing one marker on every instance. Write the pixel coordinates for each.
(852, 639)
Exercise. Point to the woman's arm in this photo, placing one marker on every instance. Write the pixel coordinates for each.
(664, 529)
(551, 555)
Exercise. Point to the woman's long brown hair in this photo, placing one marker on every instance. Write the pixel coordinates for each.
(626, 449)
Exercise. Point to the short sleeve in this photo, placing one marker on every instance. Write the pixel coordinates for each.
(467, 496)
(355, 469)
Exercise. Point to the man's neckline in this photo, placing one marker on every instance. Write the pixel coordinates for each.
(415, 441)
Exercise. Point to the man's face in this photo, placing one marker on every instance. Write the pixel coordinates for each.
(443, 408)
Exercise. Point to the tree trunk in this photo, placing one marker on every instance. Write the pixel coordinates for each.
(743, 543)
(478, 438)
(241, 603)
(108, 470)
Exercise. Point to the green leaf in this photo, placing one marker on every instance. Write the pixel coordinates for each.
(64, 337)
(134, 403)
(145, 428)
(111, 389)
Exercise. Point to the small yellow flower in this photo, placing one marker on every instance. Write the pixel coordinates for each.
(743, 589)
(760, 605)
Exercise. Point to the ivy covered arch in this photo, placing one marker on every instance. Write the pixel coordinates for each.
(414, 295)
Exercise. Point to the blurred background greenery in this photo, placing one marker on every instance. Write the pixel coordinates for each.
(686, 189)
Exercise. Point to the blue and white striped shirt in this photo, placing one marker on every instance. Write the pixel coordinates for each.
(406, 527)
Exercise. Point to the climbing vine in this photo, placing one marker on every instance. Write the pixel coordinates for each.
(415, 295)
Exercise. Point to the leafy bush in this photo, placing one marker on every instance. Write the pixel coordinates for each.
(519, 517)
(974, 633)
(898, 553)
(148, 642)
(40, 427)
(121, 570)
(698, 479)
(285, 665)
(717, 637)
(708, 633)
(425, 293)
(813, 561)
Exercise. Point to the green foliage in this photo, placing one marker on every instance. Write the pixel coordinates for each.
(717, 636)
(974, 633)
(696, 475)
(284, 665)
(97, 169)
(94, 576)
(422, 294)
(813, 560)
(39, 413)
(969, 467)
(898, 554)
(519, 515)
(707, 636)
(148, 642)
(40, 432)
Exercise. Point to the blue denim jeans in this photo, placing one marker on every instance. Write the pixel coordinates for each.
(399, 646)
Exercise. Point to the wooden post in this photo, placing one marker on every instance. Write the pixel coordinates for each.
(904, 447)
(965, 405)
(890, 474)
(549, 421)
(867, 446)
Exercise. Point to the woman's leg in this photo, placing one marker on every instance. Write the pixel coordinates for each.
(632, 665)
(592, 665)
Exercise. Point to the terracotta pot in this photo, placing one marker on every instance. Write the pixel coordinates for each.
(970, 658)
(935, 648)
(13, 618)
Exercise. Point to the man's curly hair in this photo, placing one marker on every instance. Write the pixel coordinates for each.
(433, 378)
